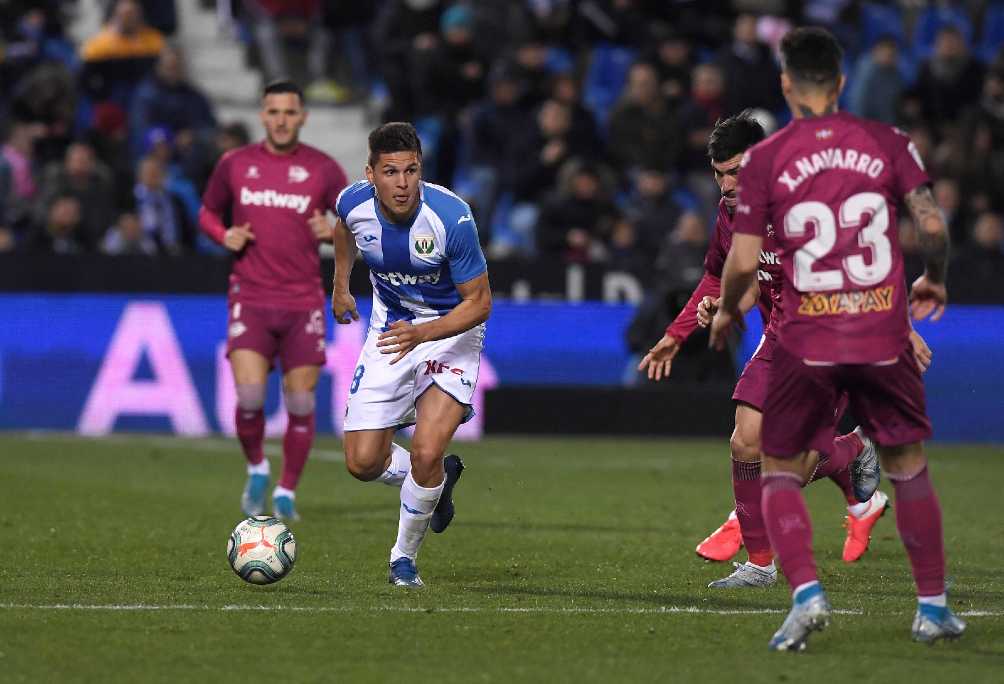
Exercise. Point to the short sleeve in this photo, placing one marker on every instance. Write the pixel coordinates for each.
(217, 197)
(463, 250)
(336, 181)
(751, 195)
(908, 167)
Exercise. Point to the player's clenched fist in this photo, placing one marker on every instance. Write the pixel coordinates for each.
(659, 360)
(237, 237)
(400, 339)
(343, 306)
(319, 225)
(706, 310)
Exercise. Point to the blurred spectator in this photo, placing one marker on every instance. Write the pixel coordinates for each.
(231, 136)
(120, 55)
(275, 23)
(542, 149)
(160, 213)
(401, 27)
(913, 260)
(109, 136)
(449, 75)
(531, 57)
(672, 59)
(126, 237)
(949, 198)
(7, 237)
(60, 231)
(949, 79)
(82, 176)
(877, 83)
(576, 221)
(680, 261)
(753, 77)
(978, 267)
(643, 133)
(565, 89)
(46, 96)
(160, 145)
(167, 99)
(18, 154)
(625, 251)
(652, 208)
(697, 120)
(161, 14)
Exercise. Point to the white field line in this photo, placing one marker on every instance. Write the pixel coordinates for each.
(662, 610)
(208, 444)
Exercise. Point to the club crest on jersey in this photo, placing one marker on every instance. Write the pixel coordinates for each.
(424, 244)
(298, 174)
(252, 172)
(824, 133)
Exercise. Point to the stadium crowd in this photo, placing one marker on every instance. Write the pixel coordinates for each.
(577, 129)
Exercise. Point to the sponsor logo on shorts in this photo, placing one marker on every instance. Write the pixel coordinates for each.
(237, 329)
(271, 198)
(424, 244)
(865, 301)
(466, 383)
(433, 367)
(315, 326)
(397, 279)
(369, 238)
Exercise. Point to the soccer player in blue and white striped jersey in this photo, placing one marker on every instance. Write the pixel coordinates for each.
(419, 365)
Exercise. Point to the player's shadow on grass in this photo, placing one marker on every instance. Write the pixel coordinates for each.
(722, 601)
(367, 511)
(519, 526)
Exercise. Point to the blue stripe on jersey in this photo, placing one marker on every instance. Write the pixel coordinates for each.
(396, 311)
(352, 196)
(463, 249)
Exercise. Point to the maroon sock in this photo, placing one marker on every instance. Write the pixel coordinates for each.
(747, 489)
(835, 465)
(789, 526)
(918, 518)
(295, 448)
(251, 433)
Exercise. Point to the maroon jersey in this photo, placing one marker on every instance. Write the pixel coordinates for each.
(830, 185)
(276, 194)
(769, 274)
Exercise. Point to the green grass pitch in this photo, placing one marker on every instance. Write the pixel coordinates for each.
(570, 560)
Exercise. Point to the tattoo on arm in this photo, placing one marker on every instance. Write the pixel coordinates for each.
(931, 230)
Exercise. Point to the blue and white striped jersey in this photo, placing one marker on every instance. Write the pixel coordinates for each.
(414, 267)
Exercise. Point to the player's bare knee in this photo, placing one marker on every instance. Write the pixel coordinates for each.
(903, 462)
(362, 464)
(427, 462)
(743, 449)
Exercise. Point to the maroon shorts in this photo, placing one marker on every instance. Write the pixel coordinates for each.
(798, 415)
(752, 385)
(296, 337)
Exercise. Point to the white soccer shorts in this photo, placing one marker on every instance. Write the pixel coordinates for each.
(383, 396)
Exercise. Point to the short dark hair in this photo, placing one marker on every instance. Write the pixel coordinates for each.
(812, 57)
(283, 86)
(734, 135)
(395, 136)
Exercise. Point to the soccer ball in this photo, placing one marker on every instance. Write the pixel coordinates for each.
(261, 550)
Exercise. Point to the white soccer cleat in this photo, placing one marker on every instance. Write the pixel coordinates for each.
(747, 575)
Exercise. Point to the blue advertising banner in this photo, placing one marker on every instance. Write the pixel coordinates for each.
(100, 363)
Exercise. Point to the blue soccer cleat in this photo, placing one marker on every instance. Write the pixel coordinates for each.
(284, 508)
(404, 573)
(810, 613)
(253, 498)
(936, 622)
(443, 515)
(865, 471)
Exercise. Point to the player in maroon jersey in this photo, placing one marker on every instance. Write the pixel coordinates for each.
(727, 144)
(830, 182)
(277, 193)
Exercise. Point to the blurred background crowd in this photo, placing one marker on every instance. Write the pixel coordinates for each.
(577, 129)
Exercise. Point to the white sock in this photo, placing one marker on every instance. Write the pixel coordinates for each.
(859, 509)
(282, 491)
(417, 505)
(939, 600)
(259, 468)
(766, 568)
(400, 465)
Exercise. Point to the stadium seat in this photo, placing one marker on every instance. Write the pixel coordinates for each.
(605, 78)
(932, 20)
(878, 21)
(992, 37)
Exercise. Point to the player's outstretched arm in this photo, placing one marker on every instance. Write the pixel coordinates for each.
(738, 277)
(343, 304)
(928, 294)
(474, 307)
